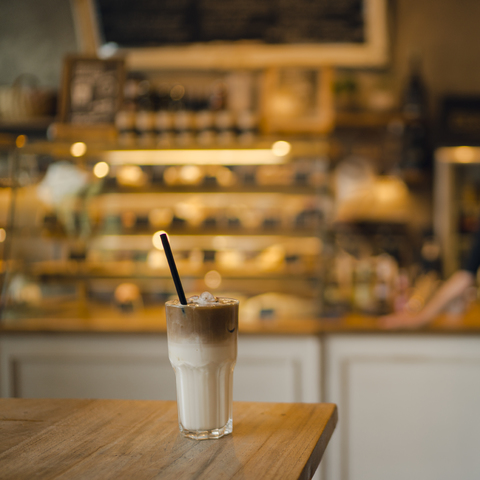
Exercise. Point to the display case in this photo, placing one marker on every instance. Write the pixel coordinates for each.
(7, 152)
(249, 222)
(457, 202)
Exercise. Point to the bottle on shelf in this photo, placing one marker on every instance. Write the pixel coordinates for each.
(415, 157)
(164, 127)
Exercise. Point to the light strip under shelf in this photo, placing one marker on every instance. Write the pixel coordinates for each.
(461, 154)
(259, 156)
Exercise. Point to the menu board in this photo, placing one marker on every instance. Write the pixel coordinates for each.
(143, 23)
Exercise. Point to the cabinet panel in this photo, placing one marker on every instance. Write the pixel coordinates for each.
(408, 407)
(73, 376)
(82, 366)
(278, 369)
(270, 368)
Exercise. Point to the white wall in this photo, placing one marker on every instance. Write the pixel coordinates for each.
(446, 35)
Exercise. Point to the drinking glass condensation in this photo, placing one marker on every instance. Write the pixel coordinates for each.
(202, 348)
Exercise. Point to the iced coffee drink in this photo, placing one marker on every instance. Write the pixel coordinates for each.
(202, 348)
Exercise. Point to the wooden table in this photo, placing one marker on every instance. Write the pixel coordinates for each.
(126, 439)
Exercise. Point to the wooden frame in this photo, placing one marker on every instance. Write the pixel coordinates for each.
(318, 119)
(92, 90)
(84, 124)
(373, 52)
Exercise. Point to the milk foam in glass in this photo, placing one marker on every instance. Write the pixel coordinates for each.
(202, 348)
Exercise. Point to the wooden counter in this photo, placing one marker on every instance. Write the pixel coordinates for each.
(152, 320)
(103, 439)
(408, 378)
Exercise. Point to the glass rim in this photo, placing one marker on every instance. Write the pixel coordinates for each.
(176, 303)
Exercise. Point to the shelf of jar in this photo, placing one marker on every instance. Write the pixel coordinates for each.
(294, 269)
(263, 212)
(226, 211)
(61, 296)
(229, 252)
(272, 228)
(294, 188)
(288, 240)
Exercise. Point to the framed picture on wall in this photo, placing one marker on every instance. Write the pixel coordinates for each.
(92, 90)
(297, 100)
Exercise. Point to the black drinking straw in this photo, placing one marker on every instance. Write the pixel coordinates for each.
(173, 269)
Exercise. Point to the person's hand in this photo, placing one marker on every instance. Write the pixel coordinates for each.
(404, 320)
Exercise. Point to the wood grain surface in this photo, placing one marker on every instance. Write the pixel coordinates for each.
(123, 439)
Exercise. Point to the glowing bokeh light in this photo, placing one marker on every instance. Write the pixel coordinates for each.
(464, 154)
(213, 279)
(157, 241)
(78, 149)
(281, 148)
(20, 141)
(101, 169)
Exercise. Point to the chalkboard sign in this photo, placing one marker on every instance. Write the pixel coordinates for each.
(142, 23)
(227, 34)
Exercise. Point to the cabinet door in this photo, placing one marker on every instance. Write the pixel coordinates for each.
(277, 368)
(408, 407)
(86, 366)
(269, 368)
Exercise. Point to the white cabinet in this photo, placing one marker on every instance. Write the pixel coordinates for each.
(86, 366)
(408, 403)
(277, 368)
(269, 368)
(408, 407)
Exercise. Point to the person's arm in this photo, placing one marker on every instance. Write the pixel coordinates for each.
(450, 289)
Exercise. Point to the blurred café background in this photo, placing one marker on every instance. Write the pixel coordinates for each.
(319, 161)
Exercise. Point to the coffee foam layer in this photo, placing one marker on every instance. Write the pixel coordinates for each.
(207, 323)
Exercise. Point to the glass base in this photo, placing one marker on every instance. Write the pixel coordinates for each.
(207, 434)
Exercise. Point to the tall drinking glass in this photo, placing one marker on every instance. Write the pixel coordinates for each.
(202, 348)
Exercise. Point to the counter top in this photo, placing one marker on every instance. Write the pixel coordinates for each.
(102, 439)
(152, 320)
